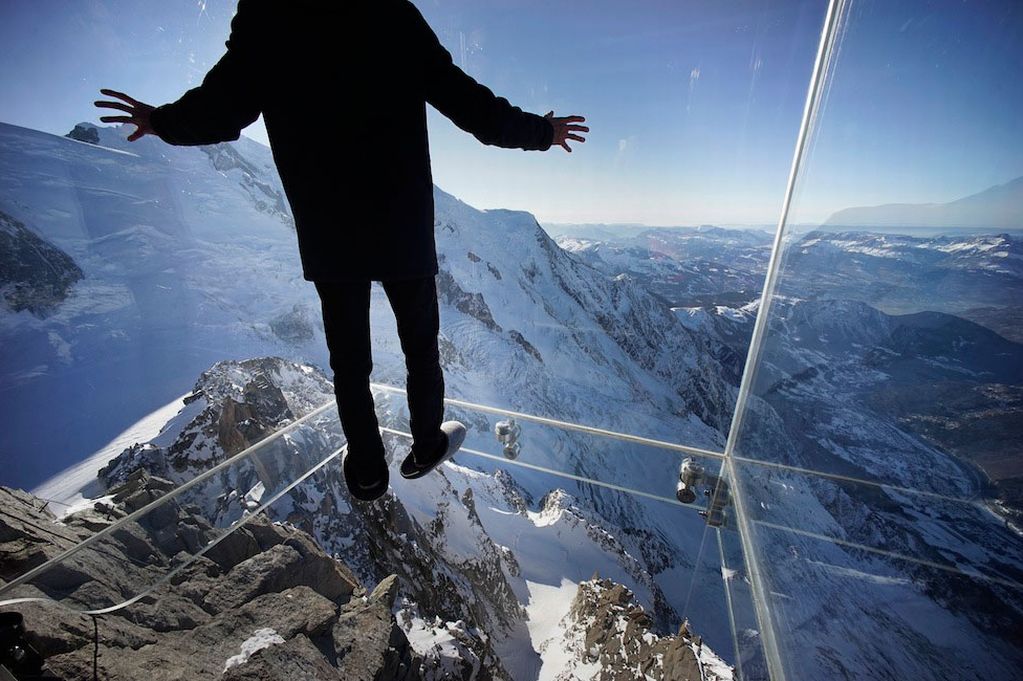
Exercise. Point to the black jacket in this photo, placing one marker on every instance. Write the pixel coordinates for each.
(343, 88)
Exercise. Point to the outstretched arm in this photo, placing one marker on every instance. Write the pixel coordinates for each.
(473, 107)
(217, 110)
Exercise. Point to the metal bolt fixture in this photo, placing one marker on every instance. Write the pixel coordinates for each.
(18, 659)
(691, 476)
(508, 433)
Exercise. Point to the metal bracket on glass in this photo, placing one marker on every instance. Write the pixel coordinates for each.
(508, 433)
(18, 659)
(691, 477)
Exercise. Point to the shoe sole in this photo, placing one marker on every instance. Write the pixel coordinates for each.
(453, 448)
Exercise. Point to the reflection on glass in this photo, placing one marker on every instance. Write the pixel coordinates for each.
(875, 454)
(858, 518)
(544, 572)
(158, 338)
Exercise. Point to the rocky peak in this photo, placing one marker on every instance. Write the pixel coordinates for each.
(84, 132)
(233, 405)
(611, 629)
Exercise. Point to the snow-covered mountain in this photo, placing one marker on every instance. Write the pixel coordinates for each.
(190, 269)
(525, 325)
(182, 264)
(855, 393)
(185, 268)
(979, 276)
(685, 266)
(961, 275)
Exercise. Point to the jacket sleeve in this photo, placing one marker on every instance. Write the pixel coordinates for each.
(228, 98)
(471, 106)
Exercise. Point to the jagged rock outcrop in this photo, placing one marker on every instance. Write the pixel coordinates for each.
(233, 405)
(472, 304)
(368, 641)
(286, 611)
(236, 404)
(83, 132)
(612, 630)
(459, 591)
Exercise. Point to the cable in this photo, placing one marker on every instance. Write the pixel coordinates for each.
(567, 425)
(51, 501)
(552, 471)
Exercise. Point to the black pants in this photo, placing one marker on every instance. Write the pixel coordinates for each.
(346, 324)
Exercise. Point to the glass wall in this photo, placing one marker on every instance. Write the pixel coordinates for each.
(267, 548)
(172, 455)
(877, 450)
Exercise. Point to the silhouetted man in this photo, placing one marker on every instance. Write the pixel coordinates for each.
(343, 88)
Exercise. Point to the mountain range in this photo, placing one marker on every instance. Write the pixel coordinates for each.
(994, 209)
(188, 269)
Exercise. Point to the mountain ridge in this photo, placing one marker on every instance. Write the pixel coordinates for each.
(998, 207)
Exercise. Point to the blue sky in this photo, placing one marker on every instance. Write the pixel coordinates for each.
(694, 105)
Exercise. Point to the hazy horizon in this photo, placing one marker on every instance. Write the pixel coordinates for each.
(791, 227)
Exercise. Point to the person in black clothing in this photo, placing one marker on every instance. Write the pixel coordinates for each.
(343, 89)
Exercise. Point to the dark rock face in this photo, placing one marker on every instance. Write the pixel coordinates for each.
(83, 132)
(472, 304)
(295, 562)
(35, 275)
(272, 605)
(295, 659)
(525, 344)
(369, 644)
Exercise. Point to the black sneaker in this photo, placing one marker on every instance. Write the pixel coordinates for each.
(453, 435)
(366, 481)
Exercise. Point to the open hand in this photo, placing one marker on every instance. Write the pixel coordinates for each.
(139, 113)
(564, 129)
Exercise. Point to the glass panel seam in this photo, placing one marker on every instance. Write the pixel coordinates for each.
(825, 50)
